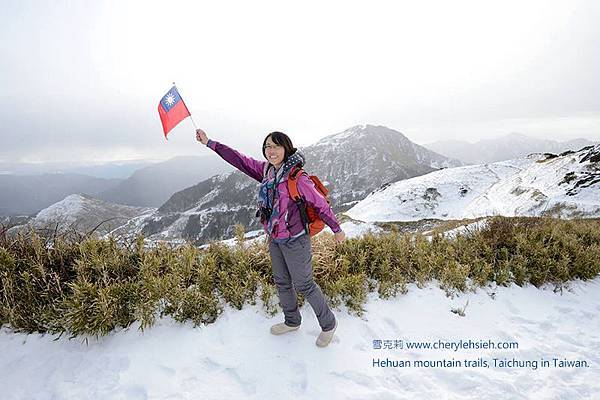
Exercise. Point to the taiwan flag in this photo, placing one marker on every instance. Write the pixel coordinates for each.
(172, 110)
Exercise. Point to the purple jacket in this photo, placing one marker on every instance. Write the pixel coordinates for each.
(290, 223)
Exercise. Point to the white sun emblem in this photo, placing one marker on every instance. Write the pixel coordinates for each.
(170, 99)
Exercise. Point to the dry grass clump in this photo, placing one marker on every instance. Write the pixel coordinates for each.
(91, 286)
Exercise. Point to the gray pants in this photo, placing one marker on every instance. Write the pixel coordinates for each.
(292, 268)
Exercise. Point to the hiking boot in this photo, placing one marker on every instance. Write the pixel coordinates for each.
(325, 337)
(281, 328)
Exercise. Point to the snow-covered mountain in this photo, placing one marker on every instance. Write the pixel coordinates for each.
(83, 214)
(364, 157)
(352, 163)
(540, 184)
(508, 147)
(8, 222)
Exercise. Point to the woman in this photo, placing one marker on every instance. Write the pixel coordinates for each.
(289, 244)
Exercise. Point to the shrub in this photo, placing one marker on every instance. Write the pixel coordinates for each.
(86, 286)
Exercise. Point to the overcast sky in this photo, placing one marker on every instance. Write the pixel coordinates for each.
(81, 80)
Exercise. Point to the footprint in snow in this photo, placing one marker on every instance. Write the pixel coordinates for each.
(247, 387)
(511, 307)
(167, 370)
(136, 393)
(300, 377)
(355, 377)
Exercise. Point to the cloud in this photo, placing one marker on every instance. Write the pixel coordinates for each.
(85, 83)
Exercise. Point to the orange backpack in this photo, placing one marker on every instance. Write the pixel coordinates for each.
(313, 224)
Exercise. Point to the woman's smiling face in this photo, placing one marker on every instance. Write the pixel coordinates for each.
(275, 153)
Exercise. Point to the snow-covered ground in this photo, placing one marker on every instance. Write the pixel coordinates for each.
(566, 186)
(464, 229)
(354, 229)
(237, 358)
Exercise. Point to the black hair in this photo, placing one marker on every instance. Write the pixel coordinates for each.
(281, 139)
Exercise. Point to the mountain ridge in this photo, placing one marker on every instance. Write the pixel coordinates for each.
(564, 185)
(508, 147)
(352, 163)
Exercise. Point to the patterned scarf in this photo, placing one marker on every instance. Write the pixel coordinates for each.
(267, 194)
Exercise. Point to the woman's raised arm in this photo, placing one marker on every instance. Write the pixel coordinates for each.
(248, 165)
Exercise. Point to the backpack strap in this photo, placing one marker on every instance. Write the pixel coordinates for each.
(292, 183)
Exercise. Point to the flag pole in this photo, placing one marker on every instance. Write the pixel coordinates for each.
(193, 122)
(191, 117)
